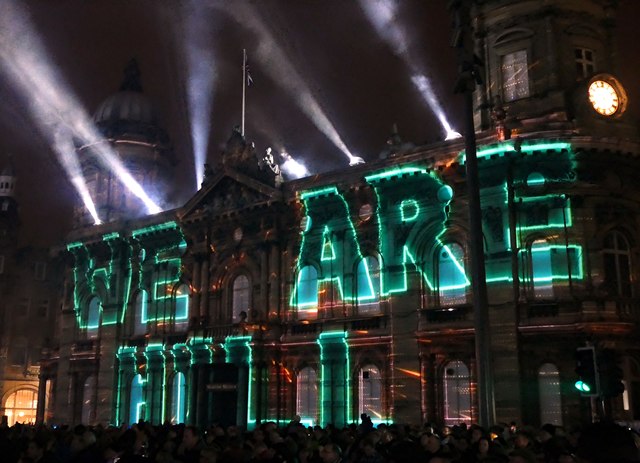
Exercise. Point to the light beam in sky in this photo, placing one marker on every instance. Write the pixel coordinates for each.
(63, 145)
(201, 75)
(383, 15)
(282, 72)
(52, 105)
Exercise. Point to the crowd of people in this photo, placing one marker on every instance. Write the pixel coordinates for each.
(295, 443)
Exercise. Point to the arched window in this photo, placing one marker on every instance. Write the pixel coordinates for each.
(452, 280)
(182, 307)
(93, 317)
(549, 392)
(457, 393)
(88, 400)
(136, 401)
(617, 265)
(368, 285)
(306, 294)
(370, 392)
(541, 270)
(241, 297)
(307, 395)
(20, 407)
(178, 398)
(140, 322)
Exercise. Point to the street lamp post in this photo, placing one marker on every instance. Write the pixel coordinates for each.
(468, 78)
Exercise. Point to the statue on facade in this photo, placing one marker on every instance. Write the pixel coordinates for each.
(267, 163)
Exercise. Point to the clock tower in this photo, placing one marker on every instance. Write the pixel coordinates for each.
(549, 67)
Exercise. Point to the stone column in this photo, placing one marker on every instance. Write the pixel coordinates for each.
(274, 282)
(106, 380)
(264, 282)
(42, 394)
(405, 363)
(204, 287)
(335, 379)
(194, 308)
(239, 353)
(63, 406)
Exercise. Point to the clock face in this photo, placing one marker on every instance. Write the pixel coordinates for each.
(604, 98)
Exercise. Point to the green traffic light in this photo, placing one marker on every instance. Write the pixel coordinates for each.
(582, 386)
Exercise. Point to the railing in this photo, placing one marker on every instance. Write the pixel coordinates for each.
(628, 308)
(447, 315)
(84, 347)
(369, 323)
(542, 309)
(304, 328)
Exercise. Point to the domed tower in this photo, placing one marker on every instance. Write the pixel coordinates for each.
(549, 66)
(129, 126)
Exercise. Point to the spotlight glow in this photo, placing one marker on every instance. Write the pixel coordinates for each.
(52, 105)
(292, 167)
(355, 160)
(383, 16)
(63, 145)
(452, 135)
(426, 90)
(200, 78)
(282, 71)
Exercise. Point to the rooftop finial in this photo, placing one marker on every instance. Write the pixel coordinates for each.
(131, 80)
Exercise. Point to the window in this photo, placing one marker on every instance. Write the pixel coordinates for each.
(585, 62)
(182, 307)
(457, 393)
(515, 76)
(617, 265)
(306, 294)
(140, 317)
(20, 407)
(136, 401)
(178, 398)
(549, 393)
(368, 285)
(23, 307)
(370, 392)
(307, 395)
(452, 281)
(18, 352)
(43, 309)
(93, 317)
(5, 205)
(542, 270)
(40, 271)
(88, 400)
(241, 298)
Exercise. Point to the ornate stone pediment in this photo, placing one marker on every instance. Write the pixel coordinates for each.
(227, 192)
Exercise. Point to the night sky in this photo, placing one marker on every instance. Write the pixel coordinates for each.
(362, 86)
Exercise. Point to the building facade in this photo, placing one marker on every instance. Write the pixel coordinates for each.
(350, 292)
(29, 288)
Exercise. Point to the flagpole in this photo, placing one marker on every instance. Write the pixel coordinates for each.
(244, 84)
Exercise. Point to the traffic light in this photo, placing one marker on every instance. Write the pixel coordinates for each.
(611, 374)
(587, 371)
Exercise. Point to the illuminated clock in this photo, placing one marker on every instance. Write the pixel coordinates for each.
(606, 95)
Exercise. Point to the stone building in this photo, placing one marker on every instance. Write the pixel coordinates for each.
(349, 292)
(28, 302)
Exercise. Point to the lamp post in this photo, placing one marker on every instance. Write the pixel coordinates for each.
(468, 78)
